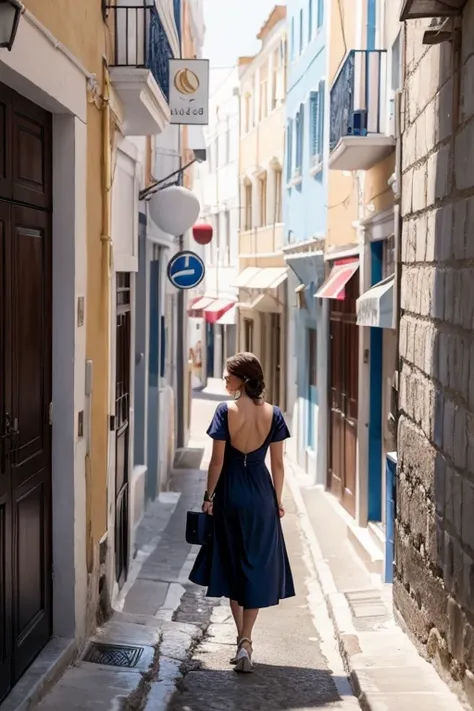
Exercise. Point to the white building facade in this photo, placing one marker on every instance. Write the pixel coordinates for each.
(212, 316)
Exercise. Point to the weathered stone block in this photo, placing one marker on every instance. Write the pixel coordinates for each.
(470, 442)
(466, 286)
(444, 341)
(470, 229)
(459, 231)
(407, 193)
(440, 476)
(419, 188)
(438, 184)
(449, 296)
(438, 418)
(448, 428)
(415, 618)
(438, 296)
(444, 232)
(456, 630)
(464, 149)
(468, 514)
(454, 492)
(443, 114)
(460, 438)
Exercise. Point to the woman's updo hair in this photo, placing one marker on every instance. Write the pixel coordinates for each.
(247, 367)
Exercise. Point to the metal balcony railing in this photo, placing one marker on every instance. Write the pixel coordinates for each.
(140, 41)
(358, 96)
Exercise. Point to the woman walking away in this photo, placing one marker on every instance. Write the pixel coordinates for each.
(247, 561)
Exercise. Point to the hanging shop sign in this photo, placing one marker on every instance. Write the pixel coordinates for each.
(189, 91)
(186, 270)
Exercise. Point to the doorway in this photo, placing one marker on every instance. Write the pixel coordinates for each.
(122, 424)
(343, 397)
(25, 384)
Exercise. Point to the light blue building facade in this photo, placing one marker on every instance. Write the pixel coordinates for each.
(305, 207)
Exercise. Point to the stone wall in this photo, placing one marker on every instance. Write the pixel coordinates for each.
(434, 586)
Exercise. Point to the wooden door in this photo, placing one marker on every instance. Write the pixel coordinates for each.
(122, 426)
(343, 398)
(25, 385)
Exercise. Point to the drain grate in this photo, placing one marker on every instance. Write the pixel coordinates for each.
(113, 655)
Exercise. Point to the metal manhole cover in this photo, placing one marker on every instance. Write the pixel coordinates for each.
(114, 655)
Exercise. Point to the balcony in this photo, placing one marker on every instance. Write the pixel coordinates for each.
(359, 129)
(140, 67)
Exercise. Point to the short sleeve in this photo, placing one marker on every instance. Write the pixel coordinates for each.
(280, 431)
(218, 428)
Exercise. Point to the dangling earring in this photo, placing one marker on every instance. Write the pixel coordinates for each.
(237, 395)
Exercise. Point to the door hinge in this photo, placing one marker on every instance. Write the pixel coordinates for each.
(50, 415)
(112, 423)
(52, 572)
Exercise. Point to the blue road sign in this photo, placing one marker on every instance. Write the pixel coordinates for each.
(186, 270)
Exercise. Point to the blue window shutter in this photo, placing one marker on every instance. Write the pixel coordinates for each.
(314, 116)
(289, 147)
(321, 102)
(310, 20)
(292, 52)
(301, 134)
(320, 13)
(301, 31)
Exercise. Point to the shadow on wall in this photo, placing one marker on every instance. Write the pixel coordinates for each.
(434, 586)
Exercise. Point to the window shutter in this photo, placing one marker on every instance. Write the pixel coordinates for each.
(289, 144)
(313, 143)
(320, 13)
(310, 20)
(321, 103)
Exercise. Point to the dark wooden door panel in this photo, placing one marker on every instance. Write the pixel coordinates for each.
(32, 175)
(6, 561)
(25, 384)
(343, 399)
(31, 446)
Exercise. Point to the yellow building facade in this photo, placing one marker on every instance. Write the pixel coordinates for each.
(262, 270)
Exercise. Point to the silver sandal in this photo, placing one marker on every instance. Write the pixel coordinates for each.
(243, 664)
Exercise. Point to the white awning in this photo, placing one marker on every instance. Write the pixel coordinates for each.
(375, 307)
(245, 277)
(261, 278)
(229, 318)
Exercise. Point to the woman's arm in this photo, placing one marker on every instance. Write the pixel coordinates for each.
(278, 469)
(214, 472)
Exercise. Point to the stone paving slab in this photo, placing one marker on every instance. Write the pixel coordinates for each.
(385, 669)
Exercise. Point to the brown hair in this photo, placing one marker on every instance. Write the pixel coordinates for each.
(247, 367)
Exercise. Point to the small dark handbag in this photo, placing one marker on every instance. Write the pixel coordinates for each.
(199, 528)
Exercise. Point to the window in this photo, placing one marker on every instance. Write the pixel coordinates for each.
(313, 356)
(289, 150)
(278, 195)
(299, 139)
(310, 20)
(263, 200)
(292, 49)
(301, 32)
(263, 92)
(396, 65)
(247, 113)
(248, 207)
(320, 13)
(317, 123)
(275, 77)
(226, 254)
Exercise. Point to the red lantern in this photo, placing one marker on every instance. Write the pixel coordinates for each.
(202, 233)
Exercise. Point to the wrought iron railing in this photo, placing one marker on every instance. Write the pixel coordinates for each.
(140, 41)
(358, 96)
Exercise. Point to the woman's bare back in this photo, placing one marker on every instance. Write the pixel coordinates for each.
(249, 424)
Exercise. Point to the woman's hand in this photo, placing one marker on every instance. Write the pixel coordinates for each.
(281, 510)
(207, 508)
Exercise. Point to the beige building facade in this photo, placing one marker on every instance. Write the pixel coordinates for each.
(262, 272)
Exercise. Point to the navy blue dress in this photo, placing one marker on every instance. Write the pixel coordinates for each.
(247, 560)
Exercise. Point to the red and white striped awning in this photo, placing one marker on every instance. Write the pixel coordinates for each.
(214, 311)
(335, 285)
